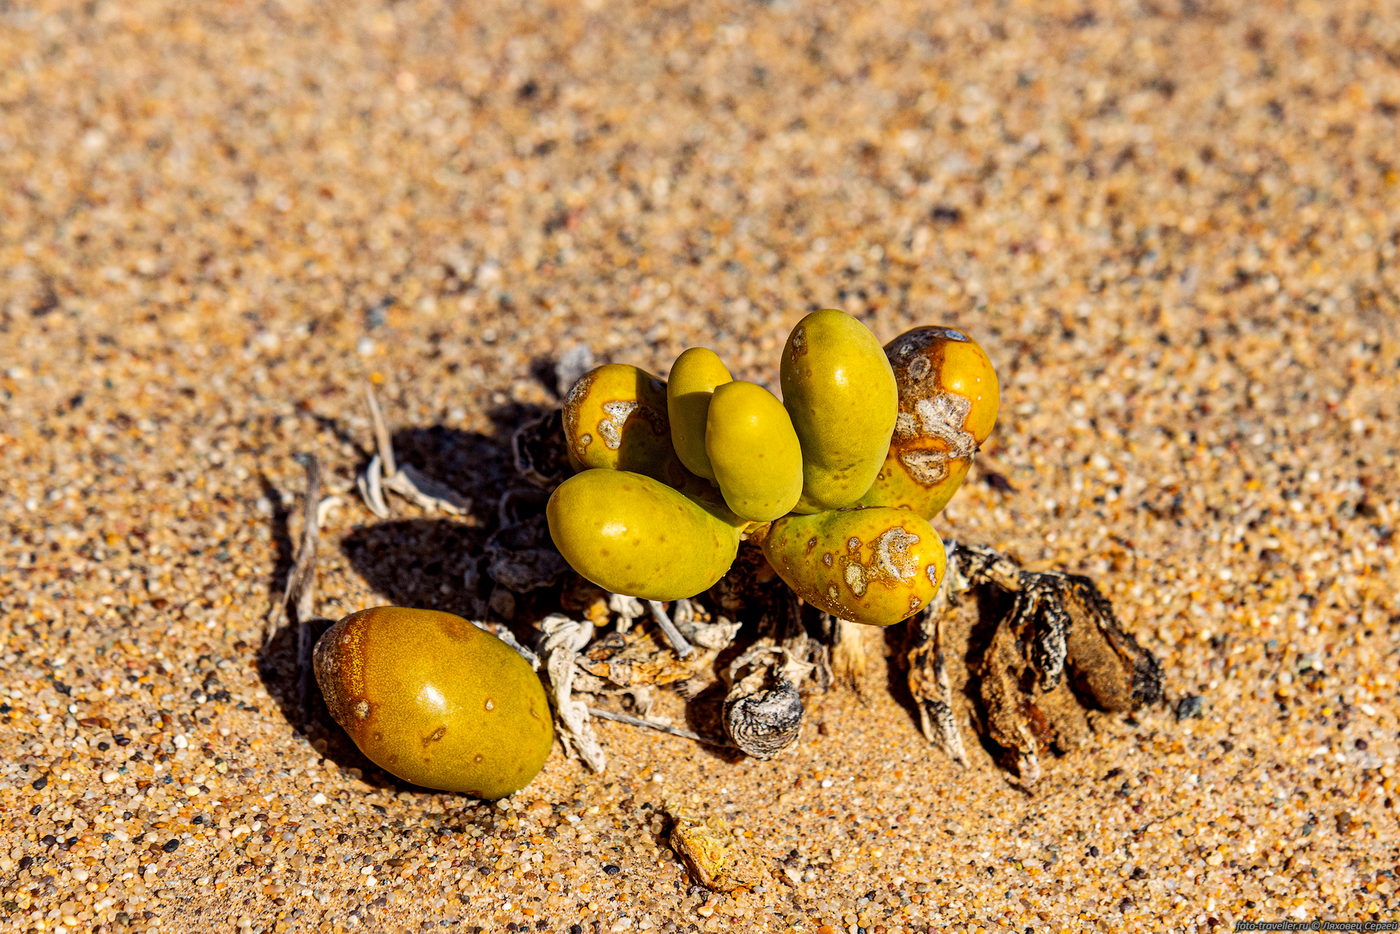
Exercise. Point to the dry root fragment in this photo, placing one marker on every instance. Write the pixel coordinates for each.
(856, 652)
(669, 630)
(299, 595)
(928, 681)
(298, 602)
(1057, 625)
(658, 725)
(717, 857)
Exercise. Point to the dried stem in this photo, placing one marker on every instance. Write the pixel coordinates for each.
(669, 630)
(382, 443)
(298, 603)
(656, 725)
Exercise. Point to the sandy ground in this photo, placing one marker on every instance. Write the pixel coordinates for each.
(1173, 225)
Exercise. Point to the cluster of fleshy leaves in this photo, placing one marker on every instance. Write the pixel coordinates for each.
(837, 482)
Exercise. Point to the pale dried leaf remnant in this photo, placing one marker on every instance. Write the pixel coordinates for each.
(564, 639)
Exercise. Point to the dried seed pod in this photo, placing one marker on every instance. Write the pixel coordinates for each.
(763, 709)
(765, 722)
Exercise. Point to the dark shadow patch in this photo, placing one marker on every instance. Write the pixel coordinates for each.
(300, 702)
(439, 563)
(419, 563)
(897, 639)
(993, 605)
(704, 714)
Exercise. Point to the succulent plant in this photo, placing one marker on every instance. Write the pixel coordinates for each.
(634, 535)
(834, 488)
(694, 377)
(841, 393)
(615, 417)
(948, 399)
(432, 699)
(754, 451)
(877, 565)
(849, 516)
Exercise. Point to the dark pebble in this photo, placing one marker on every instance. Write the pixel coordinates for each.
(1188, 706)
(612, 870)
(171, 846)
(39, 783)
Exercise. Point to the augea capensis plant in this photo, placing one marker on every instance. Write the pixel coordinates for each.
(838, 482)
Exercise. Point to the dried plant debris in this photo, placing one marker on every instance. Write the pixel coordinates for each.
(539, 456)
(702, 629)
(856, 650)
(384, 472)
(562, 641)
(299, 594)
(658, 725)
(763, 708)
(297, 604)
(523, 558)
(928, 681)
(1056, 624)
(669, 630)
(717, 857)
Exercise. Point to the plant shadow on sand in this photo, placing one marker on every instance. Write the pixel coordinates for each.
(419, 562)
